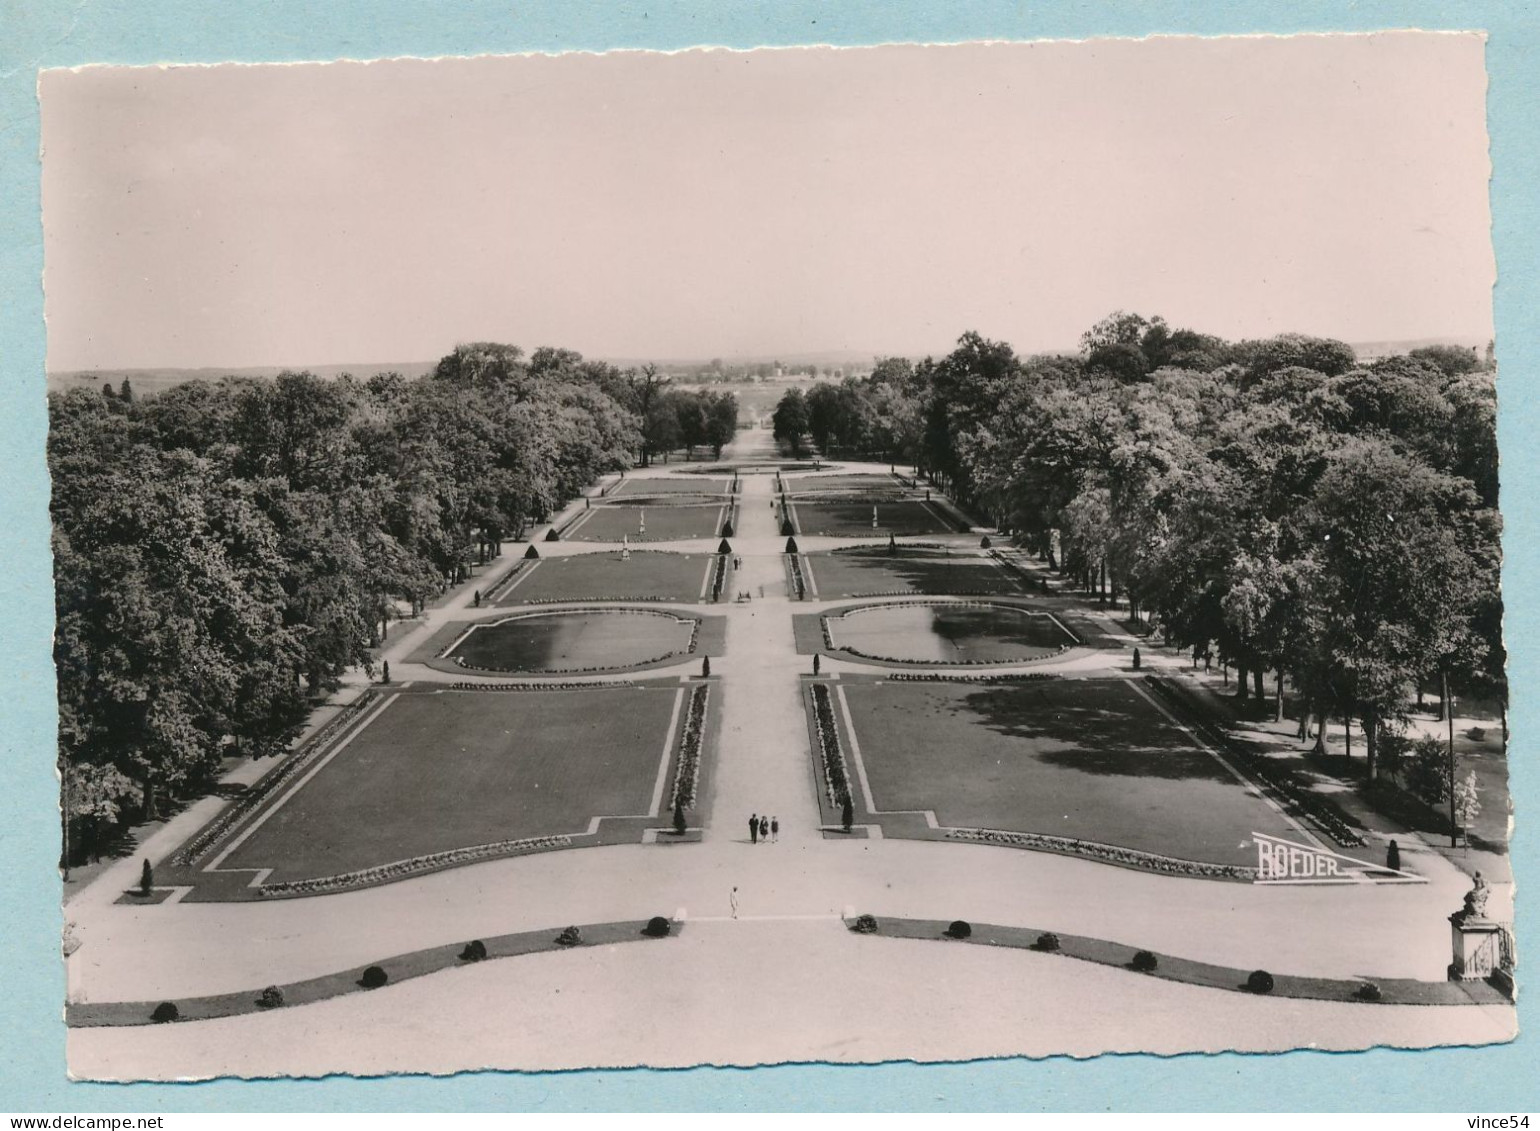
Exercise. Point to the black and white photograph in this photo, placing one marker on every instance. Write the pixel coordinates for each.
(745, 557)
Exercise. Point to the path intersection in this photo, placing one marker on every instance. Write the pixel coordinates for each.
(763, 967)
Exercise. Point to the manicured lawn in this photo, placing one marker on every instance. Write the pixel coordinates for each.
(647, 574)
(850, 573)
(854, 520)
(664, 523)
(949, 633)
(444, 770)
(569, 642)
(697, 486)
(1089, 759)
(806, 484)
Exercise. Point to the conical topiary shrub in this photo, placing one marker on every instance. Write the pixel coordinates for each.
(531, 552)
(984, 542)
(786, 526)
(552, 536)
(791, 546)
(727, 528)
(724, 546)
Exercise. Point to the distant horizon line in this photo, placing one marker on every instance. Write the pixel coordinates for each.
(799, 357)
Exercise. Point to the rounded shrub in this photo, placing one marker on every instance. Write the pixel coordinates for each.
(374, 977)
(474, 951)
(657, 927)
(270, 998)
(1145, 962)
(1368, 992)
(1259, 982)
(960, 929)
(865, 925)
(552, 536)
(984, 542)
(165, 1011)
(570, 936)
(1047, 941)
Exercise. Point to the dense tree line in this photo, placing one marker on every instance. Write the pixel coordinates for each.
(1303, 513)
(224, 550)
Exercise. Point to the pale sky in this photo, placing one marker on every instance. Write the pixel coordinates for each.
(717, 203)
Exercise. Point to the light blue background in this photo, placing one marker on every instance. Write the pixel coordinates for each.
(48, 33)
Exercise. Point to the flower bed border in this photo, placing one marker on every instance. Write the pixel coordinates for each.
(687, 770)
(215, 832)
(412, 866)
(831, 754)
(798, 582)
(1134, 858)
(553, 685)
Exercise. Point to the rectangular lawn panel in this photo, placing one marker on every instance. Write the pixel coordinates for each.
(444, 770)
(664, 524)
(850, 573)
(854, 519)
(1088, 759)
(880, 484)
(696, 486)
(647, 575)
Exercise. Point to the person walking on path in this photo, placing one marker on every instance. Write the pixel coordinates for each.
(385, 673)
(775, 829)
(815, 663)
(732, 899)
(753, 828)
(764, 828)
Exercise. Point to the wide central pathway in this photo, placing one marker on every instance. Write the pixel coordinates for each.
(762, 764)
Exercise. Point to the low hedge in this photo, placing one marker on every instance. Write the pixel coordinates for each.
(165, 1011)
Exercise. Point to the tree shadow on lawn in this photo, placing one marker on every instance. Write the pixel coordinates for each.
(1092, 738)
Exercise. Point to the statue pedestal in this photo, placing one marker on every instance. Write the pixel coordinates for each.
(1475, 947)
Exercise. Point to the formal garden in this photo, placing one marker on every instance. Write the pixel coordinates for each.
(641, 575)
(880, 570)
(654, 523)
(700, 485)
(439, 777)
(854, 518)
(1074, 765)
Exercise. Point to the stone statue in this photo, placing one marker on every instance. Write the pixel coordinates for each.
(1476, 900)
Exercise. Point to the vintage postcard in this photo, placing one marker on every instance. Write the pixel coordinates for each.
(742, 557)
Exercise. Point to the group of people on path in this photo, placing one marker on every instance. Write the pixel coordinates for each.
(764, 828)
